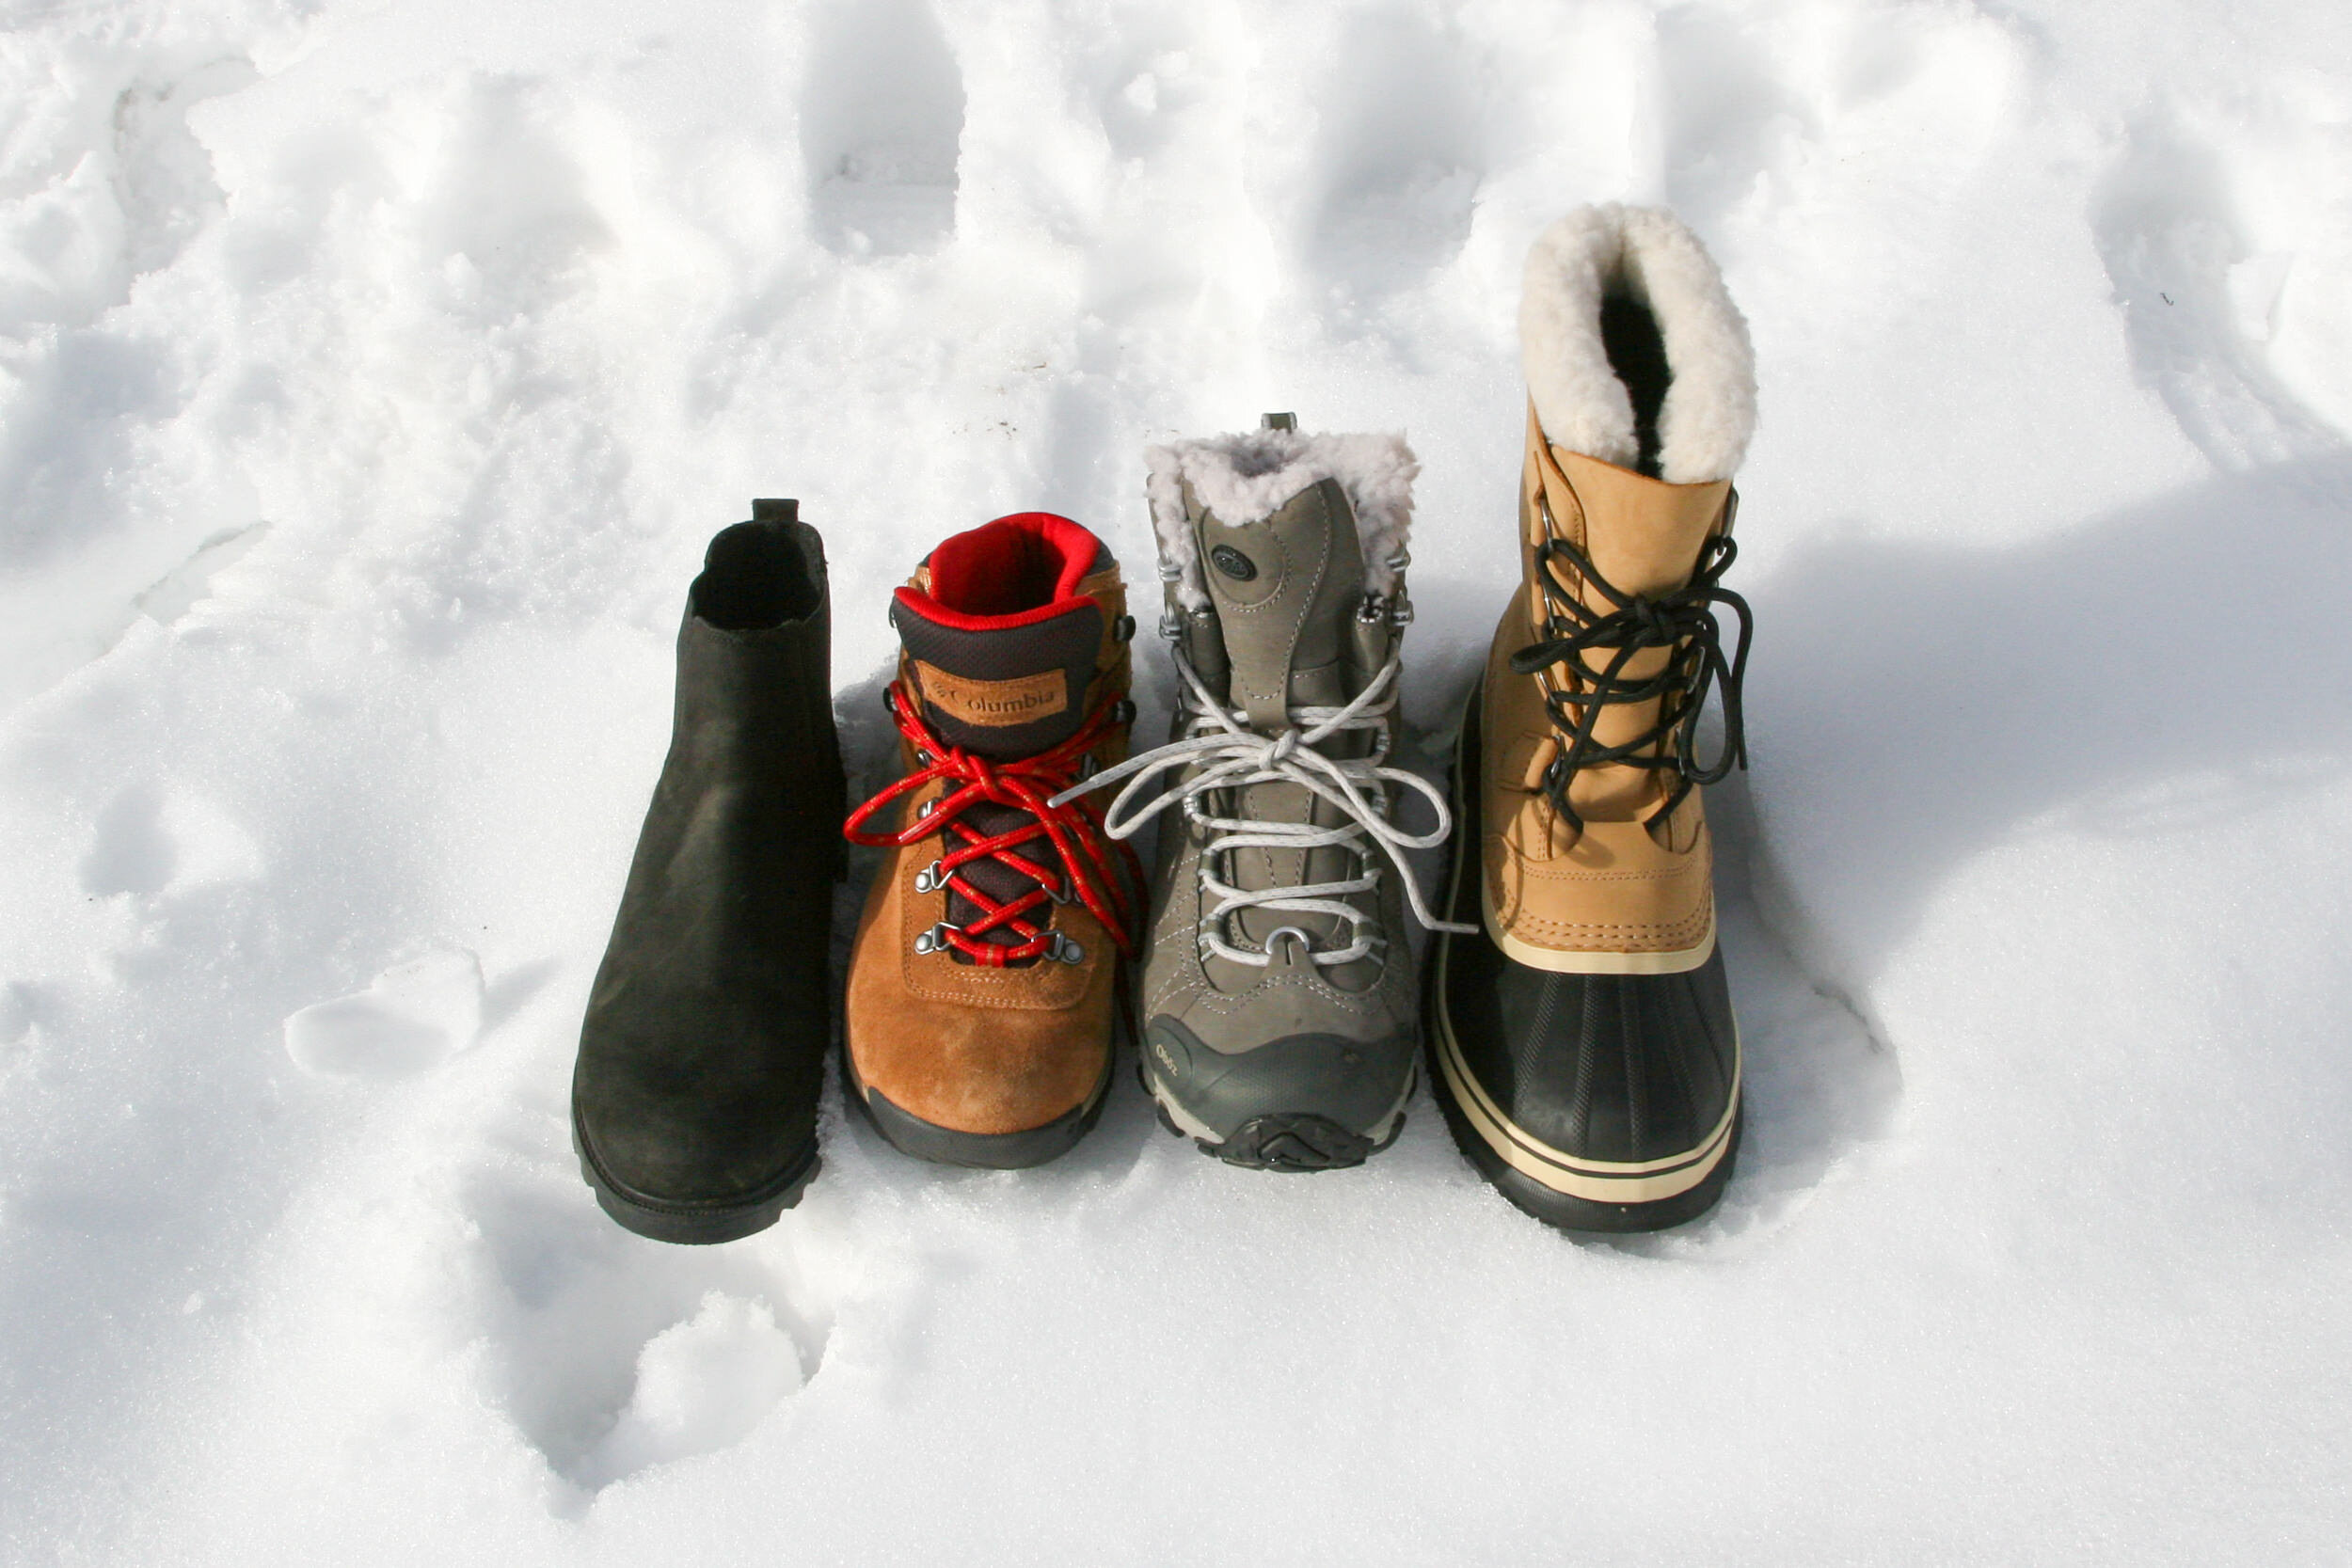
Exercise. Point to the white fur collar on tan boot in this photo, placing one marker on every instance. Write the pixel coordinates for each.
(1650, 256)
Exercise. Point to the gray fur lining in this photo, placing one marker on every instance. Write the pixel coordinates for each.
(1245, 478)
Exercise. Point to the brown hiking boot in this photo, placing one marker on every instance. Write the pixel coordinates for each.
(1583, 1044)
(987, 973)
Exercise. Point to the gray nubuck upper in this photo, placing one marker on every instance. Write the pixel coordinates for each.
(1279, 996)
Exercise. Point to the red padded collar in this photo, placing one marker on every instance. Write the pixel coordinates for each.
(1013, 572)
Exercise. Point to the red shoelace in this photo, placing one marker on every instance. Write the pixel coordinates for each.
(1029, 784)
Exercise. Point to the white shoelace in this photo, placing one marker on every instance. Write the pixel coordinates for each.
(1234, 757)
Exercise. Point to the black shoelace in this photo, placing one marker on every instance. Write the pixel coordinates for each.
(1683, 620)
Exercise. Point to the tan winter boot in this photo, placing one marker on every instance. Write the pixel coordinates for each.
(1583, 1045)
(987, 974)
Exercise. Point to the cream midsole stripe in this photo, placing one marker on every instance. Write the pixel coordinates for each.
(1507, 1141)
(1559, 961)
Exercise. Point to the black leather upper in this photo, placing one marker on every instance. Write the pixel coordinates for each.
(702, 1054)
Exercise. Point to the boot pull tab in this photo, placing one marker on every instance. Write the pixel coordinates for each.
(771, 511)
(1277, 422)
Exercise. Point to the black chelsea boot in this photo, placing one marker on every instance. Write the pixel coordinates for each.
(702, 1055)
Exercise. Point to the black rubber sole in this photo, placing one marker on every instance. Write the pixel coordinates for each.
(912, 1136)
(1560, 1211)
(696, 1224)
(1280, 1142)
(1557, 1209)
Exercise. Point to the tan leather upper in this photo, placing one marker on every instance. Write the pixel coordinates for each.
(1555, 897)
(968, 1046)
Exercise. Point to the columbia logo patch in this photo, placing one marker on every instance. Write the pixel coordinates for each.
(994, 705)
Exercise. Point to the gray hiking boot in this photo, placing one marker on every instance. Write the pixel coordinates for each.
(1278, 998)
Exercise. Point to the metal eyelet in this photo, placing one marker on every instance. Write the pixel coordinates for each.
(928, 879)
(1306, 942)
(1063, 948)
(1122, 712)
(1124, 630)
(934, 940)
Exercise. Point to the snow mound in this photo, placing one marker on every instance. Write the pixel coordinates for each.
(702, 1386)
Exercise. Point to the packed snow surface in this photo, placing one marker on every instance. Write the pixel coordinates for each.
(371, 377)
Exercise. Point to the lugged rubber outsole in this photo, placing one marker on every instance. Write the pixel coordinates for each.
(1294, 1143)
(910, 1135)
(1279, 1141)
(696, 1224)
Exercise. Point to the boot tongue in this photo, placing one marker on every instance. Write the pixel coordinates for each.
(1000, 651)
(1285, 590)
(1643, 535)
(1000, 647)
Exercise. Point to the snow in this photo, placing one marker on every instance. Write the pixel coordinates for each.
(371, 377)
(409, 1018)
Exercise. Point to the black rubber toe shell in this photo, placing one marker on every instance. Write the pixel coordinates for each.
(1611, 1068)
(1574, 1214)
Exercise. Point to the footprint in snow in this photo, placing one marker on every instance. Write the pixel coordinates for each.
(411, 1017)
(613, 1355)
(149, 840)
(1403, 156)
(882, 120)
(2231, 303)
(702, 1386)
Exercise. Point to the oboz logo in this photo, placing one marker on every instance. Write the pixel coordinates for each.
(1233, 563)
